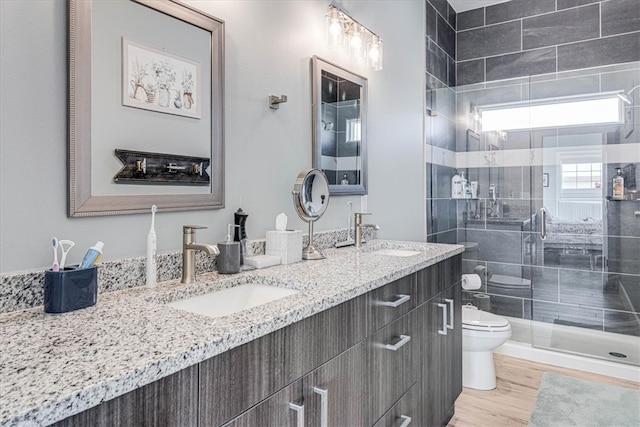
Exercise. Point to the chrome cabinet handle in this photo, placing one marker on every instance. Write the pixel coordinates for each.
(543, 223)
(299, 413)
(450, 323)
(406, 420)
(324, 405)
(443, 331)
(395, 347)
(401, 300)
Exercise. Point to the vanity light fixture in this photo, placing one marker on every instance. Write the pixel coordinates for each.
(345, 33)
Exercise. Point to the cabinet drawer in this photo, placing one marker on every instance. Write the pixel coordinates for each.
(313, 341)
(276, 411)
(337, 390)
(240, 378)
(404, 413)
(243, 376)
(391, 364)
(436, 278)
(391, 301)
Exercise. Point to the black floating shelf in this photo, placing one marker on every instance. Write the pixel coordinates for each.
(611, 199)
(142, 167)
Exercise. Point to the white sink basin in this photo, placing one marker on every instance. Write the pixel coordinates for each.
(229, 301)
(395, 252)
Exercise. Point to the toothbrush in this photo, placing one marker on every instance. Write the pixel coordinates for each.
(55, 266)
(151, 250)
(62, 243)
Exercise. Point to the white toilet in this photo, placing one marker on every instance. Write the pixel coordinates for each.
(482, 332)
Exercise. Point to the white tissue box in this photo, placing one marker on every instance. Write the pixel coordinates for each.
(285, 244)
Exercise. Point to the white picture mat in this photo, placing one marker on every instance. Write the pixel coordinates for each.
(184, 69)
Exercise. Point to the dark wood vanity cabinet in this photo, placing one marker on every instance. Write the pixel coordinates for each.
(440, 336)
(392, 368)
(170, 401)
(333, 391)
(377, 359)
(401, 412)
(243, 376)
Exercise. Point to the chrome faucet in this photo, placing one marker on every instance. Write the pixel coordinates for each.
(359, 226)
(189, 248)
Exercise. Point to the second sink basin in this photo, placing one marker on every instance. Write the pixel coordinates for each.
(395, 252)
(232, 300)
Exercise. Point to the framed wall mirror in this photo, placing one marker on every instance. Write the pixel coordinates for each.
(340, 127)
(145, 107)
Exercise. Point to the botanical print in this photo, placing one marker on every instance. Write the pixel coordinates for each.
(157, 80)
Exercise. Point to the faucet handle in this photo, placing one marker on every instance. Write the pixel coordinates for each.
(360, 214)
(358, 218)
(190, 229)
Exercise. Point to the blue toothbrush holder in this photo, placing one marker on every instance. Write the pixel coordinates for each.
(70, 289)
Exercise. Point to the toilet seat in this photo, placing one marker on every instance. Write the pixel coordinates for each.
(478, 320)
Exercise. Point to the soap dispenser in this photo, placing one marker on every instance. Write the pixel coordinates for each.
(228, 260)
(618, 185)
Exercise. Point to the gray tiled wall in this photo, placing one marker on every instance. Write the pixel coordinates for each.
(440, 76)
(529, 37)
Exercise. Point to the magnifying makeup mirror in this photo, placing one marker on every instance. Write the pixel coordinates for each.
(311, 198)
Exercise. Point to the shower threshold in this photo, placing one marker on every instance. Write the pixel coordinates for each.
(573, 347)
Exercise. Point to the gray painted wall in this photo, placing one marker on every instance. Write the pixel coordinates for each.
(268, 50)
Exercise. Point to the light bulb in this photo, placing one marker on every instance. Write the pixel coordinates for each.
(374, 53)
(356, 41)
(335, 29)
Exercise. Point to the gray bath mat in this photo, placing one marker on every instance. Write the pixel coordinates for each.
(565, 401)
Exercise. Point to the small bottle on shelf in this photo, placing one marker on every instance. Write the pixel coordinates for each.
(618, 186)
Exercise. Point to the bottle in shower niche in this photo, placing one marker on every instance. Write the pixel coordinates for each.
(456, 187)
(618, 185)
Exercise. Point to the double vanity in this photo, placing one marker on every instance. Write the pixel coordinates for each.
(368, 336)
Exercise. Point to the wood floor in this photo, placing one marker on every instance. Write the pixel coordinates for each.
(511, 403)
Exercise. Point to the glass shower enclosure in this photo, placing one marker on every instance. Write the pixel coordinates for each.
(557, 253)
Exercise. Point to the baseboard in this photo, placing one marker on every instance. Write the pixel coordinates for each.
(571, 361)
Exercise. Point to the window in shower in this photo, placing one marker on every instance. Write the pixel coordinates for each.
(581, 176)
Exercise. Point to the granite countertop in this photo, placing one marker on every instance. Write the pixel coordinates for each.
(53, 366)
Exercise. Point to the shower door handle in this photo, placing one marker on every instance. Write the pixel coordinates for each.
(543, 223)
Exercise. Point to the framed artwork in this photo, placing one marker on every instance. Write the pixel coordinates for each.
(157, 80)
